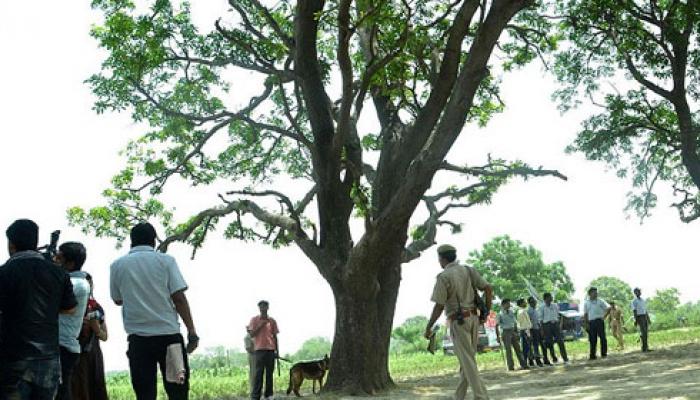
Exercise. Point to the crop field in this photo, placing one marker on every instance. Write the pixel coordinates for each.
(672, 371)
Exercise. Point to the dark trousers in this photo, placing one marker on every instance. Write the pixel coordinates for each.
(596, 329)
(264, 366)
(552, 333)
(145, 354)
(526, 343)
(29, 379)
(643, 324)
(510, 342)
(68, 362)
(537, 344)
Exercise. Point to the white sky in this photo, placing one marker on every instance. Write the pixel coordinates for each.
(56, 153)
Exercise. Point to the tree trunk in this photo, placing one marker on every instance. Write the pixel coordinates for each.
(365, 304)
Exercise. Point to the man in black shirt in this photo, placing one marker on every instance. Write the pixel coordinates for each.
(33, 291)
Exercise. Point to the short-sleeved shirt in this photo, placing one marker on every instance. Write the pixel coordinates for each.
(640, 306)
(69, 325)
(523, 318)
(144, 281)
(455, 286)
(549, 313)
(265, 338)
(32, 293)
(595, 309)
(534, 318)
(506, 319)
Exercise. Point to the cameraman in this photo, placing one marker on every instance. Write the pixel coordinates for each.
(455, 292)
(33, 291)
(71, 256)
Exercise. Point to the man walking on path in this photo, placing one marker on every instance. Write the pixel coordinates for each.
(641, 318)
(537, 339)
(263, 329)
(33, 292)
(454, 292)
(71, 256)
(595, 311)
(151, 290)
(549, 315)
(509, 335)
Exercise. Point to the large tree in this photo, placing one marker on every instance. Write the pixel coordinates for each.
(505, 263)
(639, 61)
(422, 68)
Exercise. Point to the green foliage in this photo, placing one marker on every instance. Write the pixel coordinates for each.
(313, 349)
(638, 62)
(504, 262)
(613, 289)
(408, 337)
(665, 301)
(176, 78)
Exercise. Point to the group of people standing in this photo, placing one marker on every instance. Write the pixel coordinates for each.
(596, 311)
(50, 324)
(529, 330)
(456, 293)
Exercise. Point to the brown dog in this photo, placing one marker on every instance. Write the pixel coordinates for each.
(314, 370)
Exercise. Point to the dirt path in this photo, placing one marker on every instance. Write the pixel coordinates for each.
(672, 373)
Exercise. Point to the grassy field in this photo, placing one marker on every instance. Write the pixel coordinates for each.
(232, 383)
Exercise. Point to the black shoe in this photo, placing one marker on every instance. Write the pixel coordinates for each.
(554, 360)
(604, 356)
(532, 363)
(539, 363)
(592, 358)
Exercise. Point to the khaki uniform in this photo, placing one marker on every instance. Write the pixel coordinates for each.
(616, 326)
(453, 287)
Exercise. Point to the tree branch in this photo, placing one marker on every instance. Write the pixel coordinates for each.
(506, 172)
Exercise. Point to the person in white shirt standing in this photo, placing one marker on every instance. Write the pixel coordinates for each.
(551, 329)
(150, 288)
(71, 256)
(641, 318)
(595, 311)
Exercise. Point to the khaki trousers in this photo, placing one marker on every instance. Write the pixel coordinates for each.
(464, 337)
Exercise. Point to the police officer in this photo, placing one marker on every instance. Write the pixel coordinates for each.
(454, 292)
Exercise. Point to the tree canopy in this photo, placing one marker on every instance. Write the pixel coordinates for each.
(613, 289)
(504, 262)
(647, 128)
(664, 301)
(417, 71)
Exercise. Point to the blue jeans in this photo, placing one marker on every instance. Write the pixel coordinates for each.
(29, 379)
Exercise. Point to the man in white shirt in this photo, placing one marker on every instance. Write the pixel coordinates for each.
(551, 329)
(595, 311)
(641, 318)
(150, 288)
(71, 256)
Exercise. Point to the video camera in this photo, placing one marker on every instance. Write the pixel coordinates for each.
(50, 250)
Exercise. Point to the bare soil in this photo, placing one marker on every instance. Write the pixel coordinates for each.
(671, 373)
